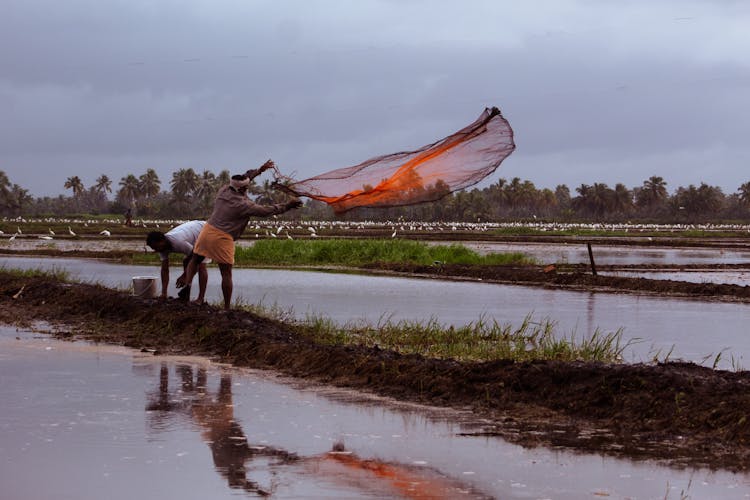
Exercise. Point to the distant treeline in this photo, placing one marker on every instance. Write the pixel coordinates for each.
(190, 195)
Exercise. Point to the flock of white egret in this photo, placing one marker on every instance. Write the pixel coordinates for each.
(276, 228)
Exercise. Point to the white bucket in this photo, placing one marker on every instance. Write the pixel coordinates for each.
(144, 286)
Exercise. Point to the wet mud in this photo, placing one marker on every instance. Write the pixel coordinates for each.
(580, 277)
(679, 413)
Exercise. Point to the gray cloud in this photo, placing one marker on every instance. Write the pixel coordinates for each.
(596, 91)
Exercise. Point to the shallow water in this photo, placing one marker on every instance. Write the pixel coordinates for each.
(83, 422)
(571, 253)
(691, 330)
(728, 277)
(577, 253)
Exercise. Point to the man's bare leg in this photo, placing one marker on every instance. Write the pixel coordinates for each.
(190, 271)
(202, 281)
(226, 284)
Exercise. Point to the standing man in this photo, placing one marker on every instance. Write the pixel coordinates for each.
(181, 240)
(232, 210)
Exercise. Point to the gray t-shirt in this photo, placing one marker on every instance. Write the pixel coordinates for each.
(183, 237)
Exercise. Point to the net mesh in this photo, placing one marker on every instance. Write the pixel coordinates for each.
(431, 172)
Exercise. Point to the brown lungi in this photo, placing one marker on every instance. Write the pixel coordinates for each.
(215, 244)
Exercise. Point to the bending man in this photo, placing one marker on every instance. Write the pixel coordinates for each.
(181, 240)
(232, 210)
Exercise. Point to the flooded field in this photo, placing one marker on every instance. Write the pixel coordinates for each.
(687, 328)
(732, 277)
(87, 422)
(571, 253)
(577, 253)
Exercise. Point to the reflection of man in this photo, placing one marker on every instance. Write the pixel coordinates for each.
(180, 239)
(215, 416)
(231, 452)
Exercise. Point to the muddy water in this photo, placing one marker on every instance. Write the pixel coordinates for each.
(691, 330)
(88, 422)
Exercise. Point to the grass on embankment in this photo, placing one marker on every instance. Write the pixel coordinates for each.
(360, 252)
(355, 253)
(55, 274)
(477, 341)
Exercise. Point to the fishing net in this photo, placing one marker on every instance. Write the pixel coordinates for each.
(431, 172)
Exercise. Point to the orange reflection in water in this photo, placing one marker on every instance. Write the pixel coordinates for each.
(231, 452)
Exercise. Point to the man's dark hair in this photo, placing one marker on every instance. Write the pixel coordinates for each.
(154, 237)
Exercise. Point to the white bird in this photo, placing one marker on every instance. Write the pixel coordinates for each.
(18, 230)
(3, 232)
(71, 231)
(105, 233)
(51, 232)
(273, 235)
(394, 233)
(13, 237)
(45, 237)
(289, 236)
(314, 235)
(279, 229)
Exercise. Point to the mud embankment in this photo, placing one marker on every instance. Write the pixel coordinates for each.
(577, 277)
(678, 412)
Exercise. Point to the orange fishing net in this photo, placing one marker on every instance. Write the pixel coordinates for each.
(460, 160)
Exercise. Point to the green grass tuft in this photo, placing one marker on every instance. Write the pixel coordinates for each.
(359, 252)
(57, 274)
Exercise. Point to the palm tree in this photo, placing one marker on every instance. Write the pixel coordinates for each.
(20, 198)
(223, 179)
(76, 185)
(6, 195)
(103, 184)
(653, 193)
(562, 193)
(150, 183)
(4, 186)
(595, 200)
(744, 192)
(205, 190)
(130, 190)
(702, 202)
(622, 201)
(184, 183)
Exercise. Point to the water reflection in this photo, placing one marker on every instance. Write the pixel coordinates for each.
(214, 414)
(233, 455)
(73, 414)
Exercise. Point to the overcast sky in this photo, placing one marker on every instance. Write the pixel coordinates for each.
(595, 90)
